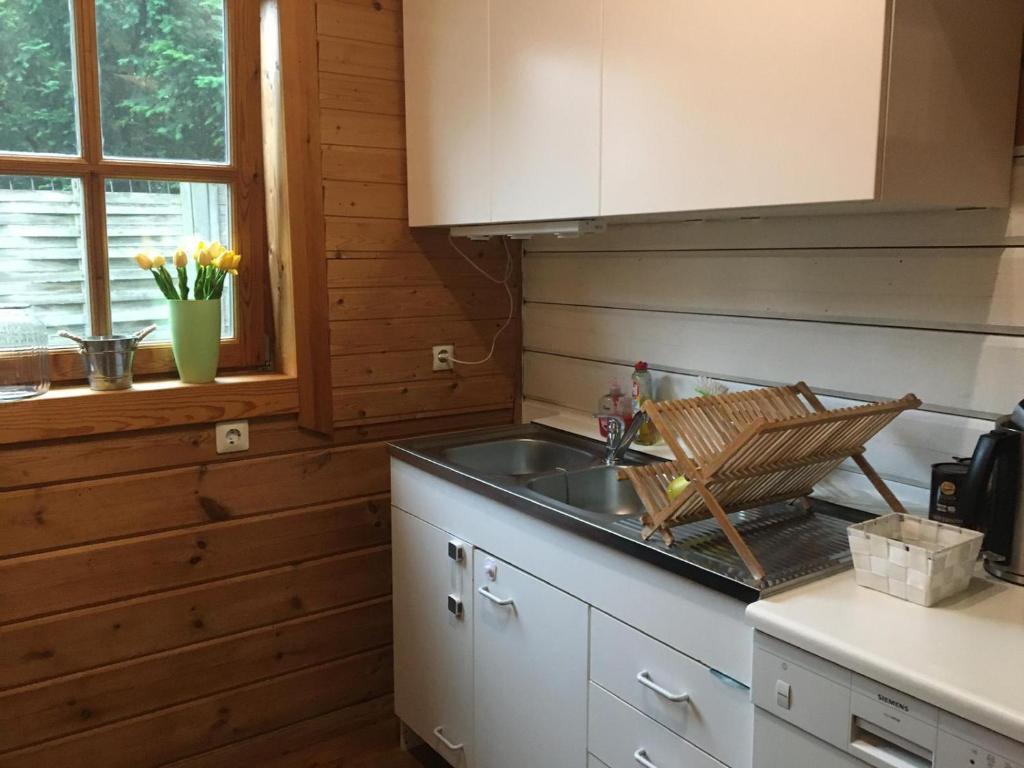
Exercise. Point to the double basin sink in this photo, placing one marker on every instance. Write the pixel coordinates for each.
(570, 475)
(563, 479)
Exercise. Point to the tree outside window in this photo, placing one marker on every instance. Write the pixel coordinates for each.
(146, 124)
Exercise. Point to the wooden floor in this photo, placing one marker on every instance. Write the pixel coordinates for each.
(421, 757)
(390, 758)
(375, 746)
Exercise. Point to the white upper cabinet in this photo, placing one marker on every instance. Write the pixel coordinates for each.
(523, 110)
(739, 104)
(446, 111)
(545, 109)
(735, 103)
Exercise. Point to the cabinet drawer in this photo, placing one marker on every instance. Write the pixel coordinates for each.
(622, 737)
(717, 716)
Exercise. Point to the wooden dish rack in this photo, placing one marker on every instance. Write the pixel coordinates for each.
(746, 449)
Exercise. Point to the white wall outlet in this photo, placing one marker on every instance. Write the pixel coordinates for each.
(232, 436)
(443, 357)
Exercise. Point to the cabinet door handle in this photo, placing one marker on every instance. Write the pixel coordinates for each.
(439, 732)
(644, 678)
(456, 551)
(641, 758)
(455, 607)
(505, 601)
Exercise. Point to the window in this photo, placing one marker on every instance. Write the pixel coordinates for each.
(129, 125)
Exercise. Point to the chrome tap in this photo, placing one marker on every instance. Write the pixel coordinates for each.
(620, 438)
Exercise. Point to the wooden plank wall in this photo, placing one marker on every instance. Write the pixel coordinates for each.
(394, 292)
(162, 605)
(859, 306)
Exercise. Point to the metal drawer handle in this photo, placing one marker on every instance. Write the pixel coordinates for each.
(506, 601)
(641, 758)
(439, 732)
(644, 678)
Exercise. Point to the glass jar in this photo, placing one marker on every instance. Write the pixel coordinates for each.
(24, 354)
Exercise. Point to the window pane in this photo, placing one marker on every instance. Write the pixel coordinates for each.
(37, 91)
(42, 251)
(160, 217)
(162, 79)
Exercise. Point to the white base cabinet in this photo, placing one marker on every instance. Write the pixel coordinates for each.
(542, 668)
(433, 639)
(529, 670)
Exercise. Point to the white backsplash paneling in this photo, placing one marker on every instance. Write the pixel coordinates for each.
(861, 307)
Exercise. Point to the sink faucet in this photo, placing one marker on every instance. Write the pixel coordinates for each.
(620, 438)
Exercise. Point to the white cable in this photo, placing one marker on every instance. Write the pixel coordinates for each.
(502, 282)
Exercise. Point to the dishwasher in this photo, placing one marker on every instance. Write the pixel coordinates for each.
(811, 713)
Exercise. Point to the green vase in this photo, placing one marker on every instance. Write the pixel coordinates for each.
(195, 339)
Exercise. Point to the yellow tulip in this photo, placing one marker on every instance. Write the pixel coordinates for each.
(204, 257)
(228, 262)
(158, 261)
(144, 261)
(180, 259)
(216, 249)
(199, 250)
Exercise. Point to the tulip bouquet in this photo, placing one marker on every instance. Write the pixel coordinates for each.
(214, 263)
(195, 325)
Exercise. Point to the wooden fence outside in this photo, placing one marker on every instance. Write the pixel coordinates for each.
(42, 250)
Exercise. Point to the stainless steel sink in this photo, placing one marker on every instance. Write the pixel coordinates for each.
(561, 478)
(518, 457)
(598, 490)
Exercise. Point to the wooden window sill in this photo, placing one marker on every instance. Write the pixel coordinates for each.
(78, 411)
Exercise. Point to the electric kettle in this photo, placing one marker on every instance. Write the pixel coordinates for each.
(994, 496)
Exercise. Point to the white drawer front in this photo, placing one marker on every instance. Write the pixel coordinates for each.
(717, 716)
(622, 737)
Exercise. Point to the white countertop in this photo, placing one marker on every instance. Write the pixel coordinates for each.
(964, 655)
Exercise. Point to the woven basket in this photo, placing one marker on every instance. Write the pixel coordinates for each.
(912, 558)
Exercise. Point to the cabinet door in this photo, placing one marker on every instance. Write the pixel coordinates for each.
(545, 108)
(727, 103)
(447, 111)
(433, 645)
(530, 670)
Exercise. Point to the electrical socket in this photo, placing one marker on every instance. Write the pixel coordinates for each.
(232, 436)
(443, 357)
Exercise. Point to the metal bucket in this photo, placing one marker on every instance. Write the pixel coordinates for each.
(108, 359)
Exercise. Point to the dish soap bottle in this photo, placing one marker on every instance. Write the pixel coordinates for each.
(643, 390)
(615, 403)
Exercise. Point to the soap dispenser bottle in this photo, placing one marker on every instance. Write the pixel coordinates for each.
(643, 390)
(615, 403)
